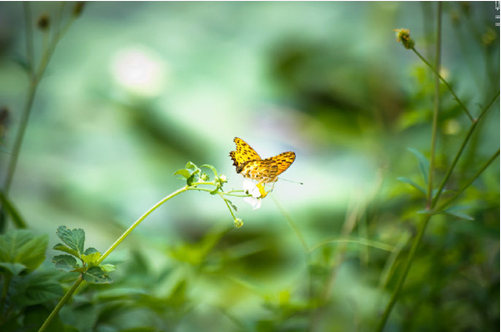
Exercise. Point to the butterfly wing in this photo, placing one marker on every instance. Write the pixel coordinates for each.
(243, 154)
(268, 169)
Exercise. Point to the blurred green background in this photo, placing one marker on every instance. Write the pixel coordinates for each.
(136, 90)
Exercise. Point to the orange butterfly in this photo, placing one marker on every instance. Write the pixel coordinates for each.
(250, 165)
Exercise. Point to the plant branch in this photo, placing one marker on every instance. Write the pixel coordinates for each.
(138, 221)
(61, 303)
(460, 191)
(401, 280)
(460, 151)
(465, 109)
(436, 105)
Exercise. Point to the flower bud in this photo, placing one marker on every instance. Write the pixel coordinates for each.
(43, 22)
(404, 36)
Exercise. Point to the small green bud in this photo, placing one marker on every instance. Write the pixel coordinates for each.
(238, 222)
(223, 178)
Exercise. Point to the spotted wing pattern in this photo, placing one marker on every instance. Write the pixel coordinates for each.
(250, 165)
(243, 154)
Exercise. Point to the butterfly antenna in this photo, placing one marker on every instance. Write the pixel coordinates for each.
(291, 181)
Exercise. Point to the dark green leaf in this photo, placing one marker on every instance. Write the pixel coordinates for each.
(90, 250)
(21, 246)
(456, 211)
(75, 238)
(95, 275)
(36, 288)
(65, 263)
(13, 268)
(424, 164)
(62, 247)
(12, 211)
(412, 183)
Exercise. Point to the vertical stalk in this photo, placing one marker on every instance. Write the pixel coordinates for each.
(424, 224)
(436, 104)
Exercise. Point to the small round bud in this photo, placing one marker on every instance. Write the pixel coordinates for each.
(43, 22)
(223, 178)
(238, 222)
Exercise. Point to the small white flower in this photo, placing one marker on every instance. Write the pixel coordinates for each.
(254, 202)
(250, 187)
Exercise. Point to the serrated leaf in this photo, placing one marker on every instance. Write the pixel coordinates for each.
(424, 164)
(91, 259)
(21, 246)
(36, 288)
(12, 268)
(95, 275)
(107, 267)
(90, 250)
(412, 183)
(183, 172)
(62, 247)
(75, 238)
(65, 263)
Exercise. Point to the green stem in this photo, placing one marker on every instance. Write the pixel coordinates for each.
(20, 135)
(65, 298)
(460, 191)
(465, 109)
(436, 105)
(422, 229)
(138, 221)
(401, 280)
(458, 154)
(306, 248)
(28, 24)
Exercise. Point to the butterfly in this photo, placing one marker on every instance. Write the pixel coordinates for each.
(250, 165)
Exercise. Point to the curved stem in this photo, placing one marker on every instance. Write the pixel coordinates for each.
(138, 221)
(460, 191)
(458, 154)
(465, 109)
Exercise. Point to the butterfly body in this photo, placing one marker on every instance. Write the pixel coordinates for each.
(250, 165)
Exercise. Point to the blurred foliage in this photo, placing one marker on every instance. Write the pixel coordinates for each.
(136, 89)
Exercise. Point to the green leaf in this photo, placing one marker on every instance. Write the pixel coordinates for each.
(13, 268)
(91, 259)
(424, 164)
(107, 267)
(21, 246)
(412, 183)
(95, 275)
(190, 165)
(36, 288)
(212, 168)
(456, 211)
(75, 238)
(62, 247)
(183, 172)
(12, 211)
(90, 250)
(65, 263)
